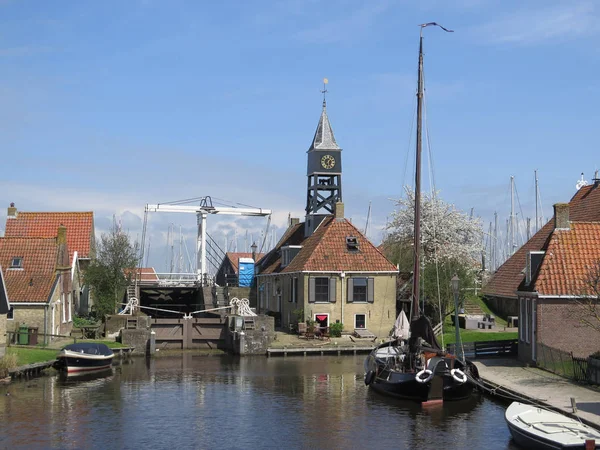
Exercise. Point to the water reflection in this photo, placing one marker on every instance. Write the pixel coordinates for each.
(202, 402)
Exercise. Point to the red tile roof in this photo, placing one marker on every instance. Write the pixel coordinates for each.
(569, 257)
(271, 262)
(80, 228)
(34, 282)
(326, 251)
(234, 258)
(583, 207)
(147, 274)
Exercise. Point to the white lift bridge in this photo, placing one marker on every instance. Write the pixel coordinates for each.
(201, 210)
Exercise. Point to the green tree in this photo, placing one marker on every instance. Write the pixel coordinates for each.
(111, 271)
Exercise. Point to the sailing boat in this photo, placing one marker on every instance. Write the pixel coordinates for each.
(413, 365)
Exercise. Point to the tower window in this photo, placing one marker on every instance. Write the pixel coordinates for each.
(16, 263)
(352, 243)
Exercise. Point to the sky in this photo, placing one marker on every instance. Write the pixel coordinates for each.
(109, 106)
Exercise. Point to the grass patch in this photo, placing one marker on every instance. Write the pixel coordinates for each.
(31, 355)
(476, 336)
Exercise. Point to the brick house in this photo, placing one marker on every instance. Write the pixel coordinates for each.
(334, 275)
(38, 282)
(555, 284)
(500, 291)
(229, 270)
(4, 310)
(80, 240)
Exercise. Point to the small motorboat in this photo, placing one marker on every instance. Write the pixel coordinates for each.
(84, 357)
(536, 428)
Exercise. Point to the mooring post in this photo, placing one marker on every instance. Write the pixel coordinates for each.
(574, 405)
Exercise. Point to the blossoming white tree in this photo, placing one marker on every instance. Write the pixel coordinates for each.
(451, 242)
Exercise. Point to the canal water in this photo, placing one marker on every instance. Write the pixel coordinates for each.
(223, 402)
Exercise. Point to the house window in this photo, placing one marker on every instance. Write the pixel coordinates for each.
(527, 316)
(294, 290)
(352, 243)
(11, 313)
(360, 289)
(360, 321)
(16, 263)
(322, 320)
(322, 289)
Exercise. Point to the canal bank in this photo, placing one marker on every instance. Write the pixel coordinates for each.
(507, 377)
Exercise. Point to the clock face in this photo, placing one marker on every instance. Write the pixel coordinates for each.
(328, 162)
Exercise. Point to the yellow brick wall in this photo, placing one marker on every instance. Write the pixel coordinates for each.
(2, 329)
(380, 315)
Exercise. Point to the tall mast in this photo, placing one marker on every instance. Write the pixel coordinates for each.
(512, 216)
(417, 219)
(495, 240)
(537, 223)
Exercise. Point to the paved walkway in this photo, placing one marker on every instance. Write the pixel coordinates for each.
(541, 387)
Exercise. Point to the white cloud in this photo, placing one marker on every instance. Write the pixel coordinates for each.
(562, 21)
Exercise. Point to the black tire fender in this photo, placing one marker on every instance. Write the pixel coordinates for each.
(369, 377)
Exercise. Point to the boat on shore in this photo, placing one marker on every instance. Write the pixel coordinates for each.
(84, 357)
(413, 365)
(536, 428)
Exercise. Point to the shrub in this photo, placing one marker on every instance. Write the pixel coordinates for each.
(595, 355)
(335, 329)
(81, 321)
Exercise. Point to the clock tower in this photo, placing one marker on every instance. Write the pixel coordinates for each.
(324, 174)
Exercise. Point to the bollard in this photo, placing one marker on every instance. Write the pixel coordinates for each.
(152, 349)
(574, 405)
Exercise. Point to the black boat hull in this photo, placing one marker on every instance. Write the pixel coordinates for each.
(84, 357)
(405, 386)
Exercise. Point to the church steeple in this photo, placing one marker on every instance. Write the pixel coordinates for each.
(324, 173)
(324, 138)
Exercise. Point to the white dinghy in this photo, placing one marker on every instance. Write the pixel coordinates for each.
(536, 428)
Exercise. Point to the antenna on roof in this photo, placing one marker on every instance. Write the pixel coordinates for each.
(581, 183)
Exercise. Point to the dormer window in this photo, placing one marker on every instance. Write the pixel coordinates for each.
(352, 243)
(288, 253)
(16, 263)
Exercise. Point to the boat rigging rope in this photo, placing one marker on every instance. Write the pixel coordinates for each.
(432, 187)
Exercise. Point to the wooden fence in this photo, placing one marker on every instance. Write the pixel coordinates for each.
(563, 363)
(487, 349)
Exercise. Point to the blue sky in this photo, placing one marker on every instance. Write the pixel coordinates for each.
(107, 106)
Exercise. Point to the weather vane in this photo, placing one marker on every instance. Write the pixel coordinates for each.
(324, 91)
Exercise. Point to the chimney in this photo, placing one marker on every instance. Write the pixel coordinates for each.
(596, 180)
(561, 216)
(63, 252)
(294, 221)
(12, 212)
(339, 210)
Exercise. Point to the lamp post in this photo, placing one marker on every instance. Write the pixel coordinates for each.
(455, 281)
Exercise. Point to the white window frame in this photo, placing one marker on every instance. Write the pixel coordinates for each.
(521, 319)
(63, 305)
(322, 314)
(328, 290)
(360, 314)
(70, 305)
(527, 327)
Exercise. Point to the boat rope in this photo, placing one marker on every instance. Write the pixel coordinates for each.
(155, 309)
(241, 307)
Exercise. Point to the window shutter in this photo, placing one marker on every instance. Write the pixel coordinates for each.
(311, 290)
(370, 290)
(332, 282)
(291, 290)
(350, 293)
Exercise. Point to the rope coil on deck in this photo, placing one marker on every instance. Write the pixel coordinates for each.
(241, 306)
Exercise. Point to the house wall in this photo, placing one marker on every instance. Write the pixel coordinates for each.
(380, 315)
(3, 336)
(559, 326)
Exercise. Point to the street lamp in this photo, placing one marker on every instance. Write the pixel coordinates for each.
(455, 281)
(254, 247)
